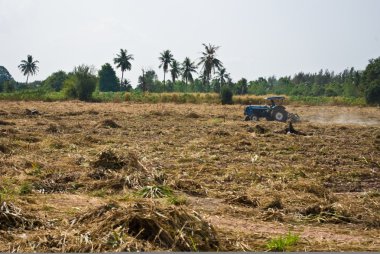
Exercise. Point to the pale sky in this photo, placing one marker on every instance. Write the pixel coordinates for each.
(258, 38)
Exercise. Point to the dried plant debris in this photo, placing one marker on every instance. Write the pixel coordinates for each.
(327, 214)
(57, 183)
(193, 115)
(31, 112)
(244, 200)
(109, 159)
(4, 149)
(168, 228)
(250, 183)
(11, 217)
(108, 123)
(53, 128)
(2, 122)
(190, 187)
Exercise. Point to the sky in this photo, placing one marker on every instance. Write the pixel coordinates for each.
(257, 38)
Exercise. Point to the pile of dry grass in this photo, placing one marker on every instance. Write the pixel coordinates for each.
(2, 122)
(190, 187)
(3, 113)
(108, 123)
(327, 214)
(220, 132)
(56, 183)
(193, 115)
(162, 227)
(31, 112)
(110, 160)
(4, 149)
(243, 200)
(11, 217)
(53, 128)
(119, 170)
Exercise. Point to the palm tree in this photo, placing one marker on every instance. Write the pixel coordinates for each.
(209, 61)
(122, 61)
(166, 58)
(28, 67)
(222, 76)
(187, 68)
(175, 70)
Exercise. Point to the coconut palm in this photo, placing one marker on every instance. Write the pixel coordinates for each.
(166, 58)
(222, 76)
(28, 67)
(123, 61)
(175, 70)
(209, 61)
(188, 67)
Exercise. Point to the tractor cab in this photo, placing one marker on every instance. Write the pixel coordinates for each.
(275, 100)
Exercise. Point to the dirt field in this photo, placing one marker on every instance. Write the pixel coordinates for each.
(75, 178)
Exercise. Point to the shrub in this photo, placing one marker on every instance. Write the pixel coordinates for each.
(226, 96)
(69, 89)
(81, 84)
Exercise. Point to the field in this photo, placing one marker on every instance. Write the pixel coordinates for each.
(122, 176)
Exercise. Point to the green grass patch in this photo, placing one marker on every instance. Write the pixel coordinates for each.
(282, 243)
(26, 188)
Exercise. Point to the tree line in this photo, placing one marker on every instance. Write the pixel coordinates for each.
(207, 75)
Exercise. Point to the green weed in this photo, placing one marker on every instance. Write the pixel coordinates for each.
(26, 188)
(282, 243)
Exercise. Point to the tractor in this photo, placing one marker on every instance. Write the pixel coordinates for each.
(274, 111)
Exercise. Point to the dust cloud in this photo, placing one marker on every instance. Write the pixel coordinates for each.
(348, 119)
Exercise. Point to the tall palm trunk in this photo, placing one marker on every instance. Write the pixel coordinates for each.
(164, 78)
(27, 77)
(122, 75)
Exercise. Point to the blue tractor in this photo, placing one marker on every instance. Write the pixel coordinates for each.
(274, 111)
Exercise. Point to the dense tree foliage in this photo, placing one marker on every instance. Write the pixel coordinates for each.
(108, 82)
(371, 81)
(4, 75)
(55, 81)
(148, 82)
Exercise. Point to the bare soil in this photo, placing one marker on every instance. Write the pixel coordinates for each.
(69, 173)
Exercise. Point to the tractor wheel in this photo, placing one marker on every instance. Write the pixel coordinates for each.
(280, 115)
(254, 118)
(247, 118)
